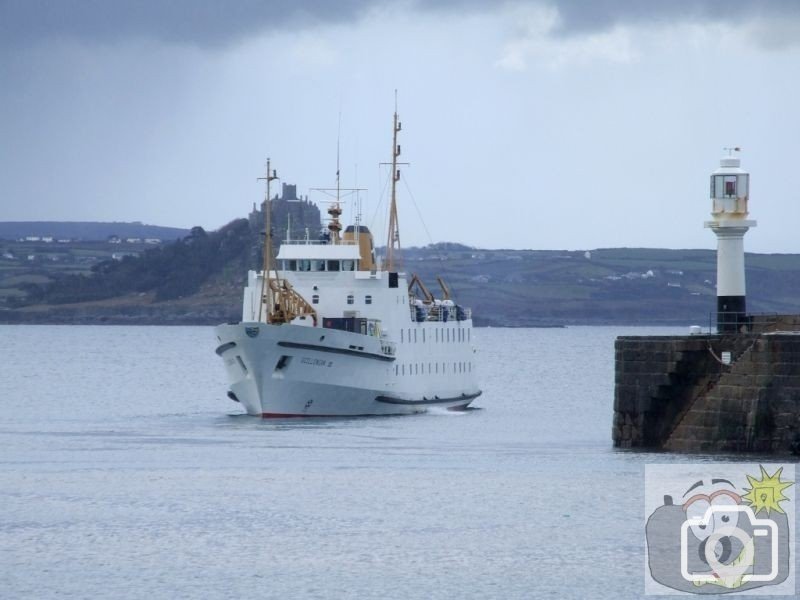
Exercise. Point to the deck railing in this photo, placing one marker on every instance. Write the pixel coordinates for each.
(317, 243)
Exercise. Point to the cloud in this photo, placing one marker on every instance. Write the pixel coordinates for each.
(772, 24)
(193, 22)
(534, 41)
(579, 16)
(213, 23)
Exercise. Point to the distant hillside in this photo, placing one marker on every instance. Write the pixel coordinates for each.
(199, 279)
(88, 231)
(614, 285)
(167, 272)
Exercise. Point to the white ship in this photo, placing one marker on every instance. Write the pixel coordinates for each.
(327, 330)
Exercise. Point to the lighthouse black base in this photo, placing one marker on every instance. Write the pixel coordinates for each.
(731, 313)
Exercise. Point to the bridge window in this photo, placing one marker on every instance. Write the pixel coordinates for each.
(367, 299)
(350, 298)
(315, 299)
(303, 265)
(317, 265)
(348, 265)
(333, 265)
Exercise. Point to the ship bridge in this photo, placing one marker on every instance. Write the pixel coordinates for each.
(319, 256)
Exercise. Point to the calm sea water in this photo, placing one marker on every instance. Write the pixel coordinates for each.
(125, 472)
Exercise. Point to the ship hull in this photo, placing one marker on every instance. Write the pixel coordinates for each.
(298, 371)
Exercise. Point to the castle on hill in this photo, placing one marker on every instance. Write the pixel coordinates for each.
(293, 217)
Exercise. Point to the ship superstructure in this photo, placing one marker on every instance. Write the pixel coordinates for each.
(327, 330)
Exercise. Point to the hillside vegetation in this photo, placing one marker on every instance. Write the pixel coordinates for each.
(199, 279)
(162, 273)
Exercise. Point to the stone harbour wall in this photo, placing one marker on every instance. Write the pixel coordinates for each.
(676, 393)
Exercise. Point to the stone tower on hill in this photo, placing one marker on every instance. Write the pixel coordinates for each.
(291, 215)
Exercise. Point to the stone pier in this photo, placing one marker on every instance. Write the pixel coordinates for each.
(710, 393)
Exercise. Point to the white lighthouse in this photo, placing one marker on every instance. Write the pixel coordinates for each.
(730, 188)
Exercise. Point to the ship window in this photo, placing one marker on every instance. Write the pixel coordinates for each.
(350, 298)
(404, 369)
(333, 265)
(437, 334)
(317, 265)
(415, 336)
(315, 299)
(291, 265)
(469, 334)
(401, 336)
(396, 369)
(437, 368)
(423, 336)
(303, 265)
(367, 299)
(448, 335)
(348, 265)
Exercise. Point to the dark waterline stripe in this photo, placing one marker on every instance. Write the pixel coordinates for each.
(318, 348)
(390, 400)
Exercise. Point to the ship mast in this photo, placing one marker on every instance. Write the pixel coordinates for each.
(393, 241)
(267, 264)
(335, 211)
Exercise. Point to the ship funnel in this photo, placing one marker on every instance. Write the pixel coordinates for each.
(366, 246)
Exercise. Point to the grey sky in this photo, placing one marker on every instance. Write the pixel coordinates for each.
(527, 124)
